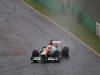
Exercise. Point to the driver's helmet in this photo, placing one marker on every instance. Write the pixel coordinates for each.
(50, 42)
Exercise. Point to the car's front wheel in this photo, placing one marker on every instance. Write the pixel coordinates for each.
(35, 53)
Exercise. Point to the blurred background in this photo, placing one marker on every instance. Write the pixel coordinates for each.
(86, 11)
(80, 17)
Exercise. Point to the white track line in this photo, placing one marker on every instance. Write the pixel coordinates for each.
(65, 30)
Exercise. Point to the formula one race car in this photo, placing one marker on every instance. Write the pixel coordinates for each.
(53, 52)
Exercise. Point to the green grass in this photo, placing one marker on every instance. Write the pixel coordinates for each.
(69, 22)
(37, 6)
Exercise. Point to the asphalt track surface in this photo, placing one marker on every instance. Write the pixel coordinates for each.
(22, 30)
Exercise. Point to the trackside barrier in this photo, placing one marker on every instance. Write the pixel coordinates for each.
(98, 29)
(89, 22)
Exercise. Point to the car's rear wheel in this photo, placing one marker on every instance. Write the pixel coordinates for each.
(65, 52)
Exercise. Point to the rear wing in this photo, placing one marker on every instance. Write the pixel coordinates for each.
(58, 42)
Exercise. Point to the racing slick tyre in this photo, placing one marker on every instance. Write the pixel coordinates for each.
(35, 53)
(56, 55)
(65, 52)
